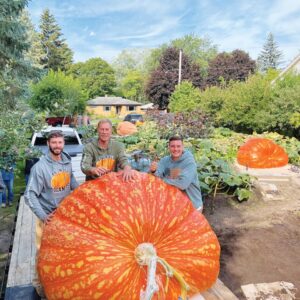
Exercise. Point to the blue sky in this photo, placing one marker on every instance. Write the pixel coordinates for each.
(103, 28)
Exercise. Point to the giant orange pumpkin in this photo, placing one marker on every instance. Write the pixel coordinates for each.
(261, 153)
(108, 235)
(126, 128)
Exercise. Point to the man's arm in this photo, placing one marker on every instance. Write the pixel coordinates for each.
(74, 183)
(87, 163)
(122, 159)
(32, 193)
(160, 169)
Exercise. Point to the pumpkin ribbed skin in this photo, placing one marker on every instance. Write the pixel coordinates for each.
(262, 153)
(126, 128)
(87, 250)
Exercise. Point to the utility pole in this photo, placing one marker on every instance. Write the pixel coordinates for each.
(179, 73)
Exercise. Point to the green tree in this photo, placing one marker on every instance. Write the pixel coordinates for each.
(270, 56)
(15, 126)
(129, 60)
(184, 98)
(96, 76)
(34, 54)
(129, 67)
(284, 105)
(200, 50)
(163, 80)
(132, 86)
(13, 43)
(57, 54)
(236, 65)
(242, 105)
(58, 94)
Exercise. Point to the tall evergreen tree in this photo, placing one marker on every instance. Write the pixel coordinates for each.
(270, 55)
(35, 53)
(57, 54)
(13, 43)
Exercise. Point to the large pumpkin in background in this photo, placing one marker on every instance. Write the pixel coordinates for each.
(126, 128)
(261, 153)
(104, 234)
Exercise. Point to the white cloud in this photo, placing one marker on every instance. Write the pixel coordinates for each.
(118, 24)
(281, 11)
(93, 8)
(105, 52)
(154, 30)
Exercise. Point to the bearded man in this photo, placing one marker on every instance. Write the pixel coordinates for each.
(51, 180)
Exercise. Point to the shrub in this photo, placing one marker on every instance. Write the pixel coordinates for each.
(187, 124)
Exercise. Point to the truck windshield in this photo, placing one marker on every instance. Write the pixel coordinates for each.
(70, 139)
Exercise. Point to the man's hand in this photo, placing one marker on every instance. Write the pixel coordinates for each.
(127, 174)
(98, 171)
(49, 218)
(153, 166)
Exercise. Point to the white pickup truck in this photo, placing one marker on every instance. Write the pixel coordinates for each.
(73, 146)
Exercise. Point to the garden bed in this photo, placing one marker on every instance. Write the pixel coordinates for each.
(260, 240)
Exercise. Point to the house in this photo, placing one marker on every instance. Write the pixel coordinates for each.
(294, 67)
(108, 106)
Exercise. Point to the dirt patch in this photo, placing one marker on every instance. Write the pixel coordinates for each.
(260, 240)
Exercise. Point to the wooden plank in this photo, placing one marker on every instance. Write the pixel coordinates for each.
(217, 292)
(33, 249)
(25, 246)
(15, 249)
(22, 258)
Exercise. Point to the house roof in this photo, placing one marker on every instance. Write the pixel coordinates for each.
(290, 67)
(147, 106)
(103, 101)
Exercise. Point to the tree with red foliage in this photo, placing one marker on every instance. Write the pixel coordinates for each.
(236, 66)
(163, 80)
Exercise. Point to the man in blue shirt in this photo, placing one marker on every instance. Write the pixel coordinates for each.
(179, 169)
(8, 179)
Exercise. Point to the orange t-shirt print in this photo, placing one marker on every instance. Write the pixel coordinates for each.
(107, 163)
(60, 180)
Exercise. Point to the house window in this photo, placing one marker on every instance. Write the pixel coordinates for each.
(131, 108)
(106, 108)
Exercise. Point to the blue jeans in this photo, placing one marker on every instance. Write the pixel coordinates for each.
(27, 178)
(8, 193)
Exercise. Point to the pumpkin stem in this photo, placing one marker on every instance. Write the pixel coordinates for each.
(145, 255)
(170, 271)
